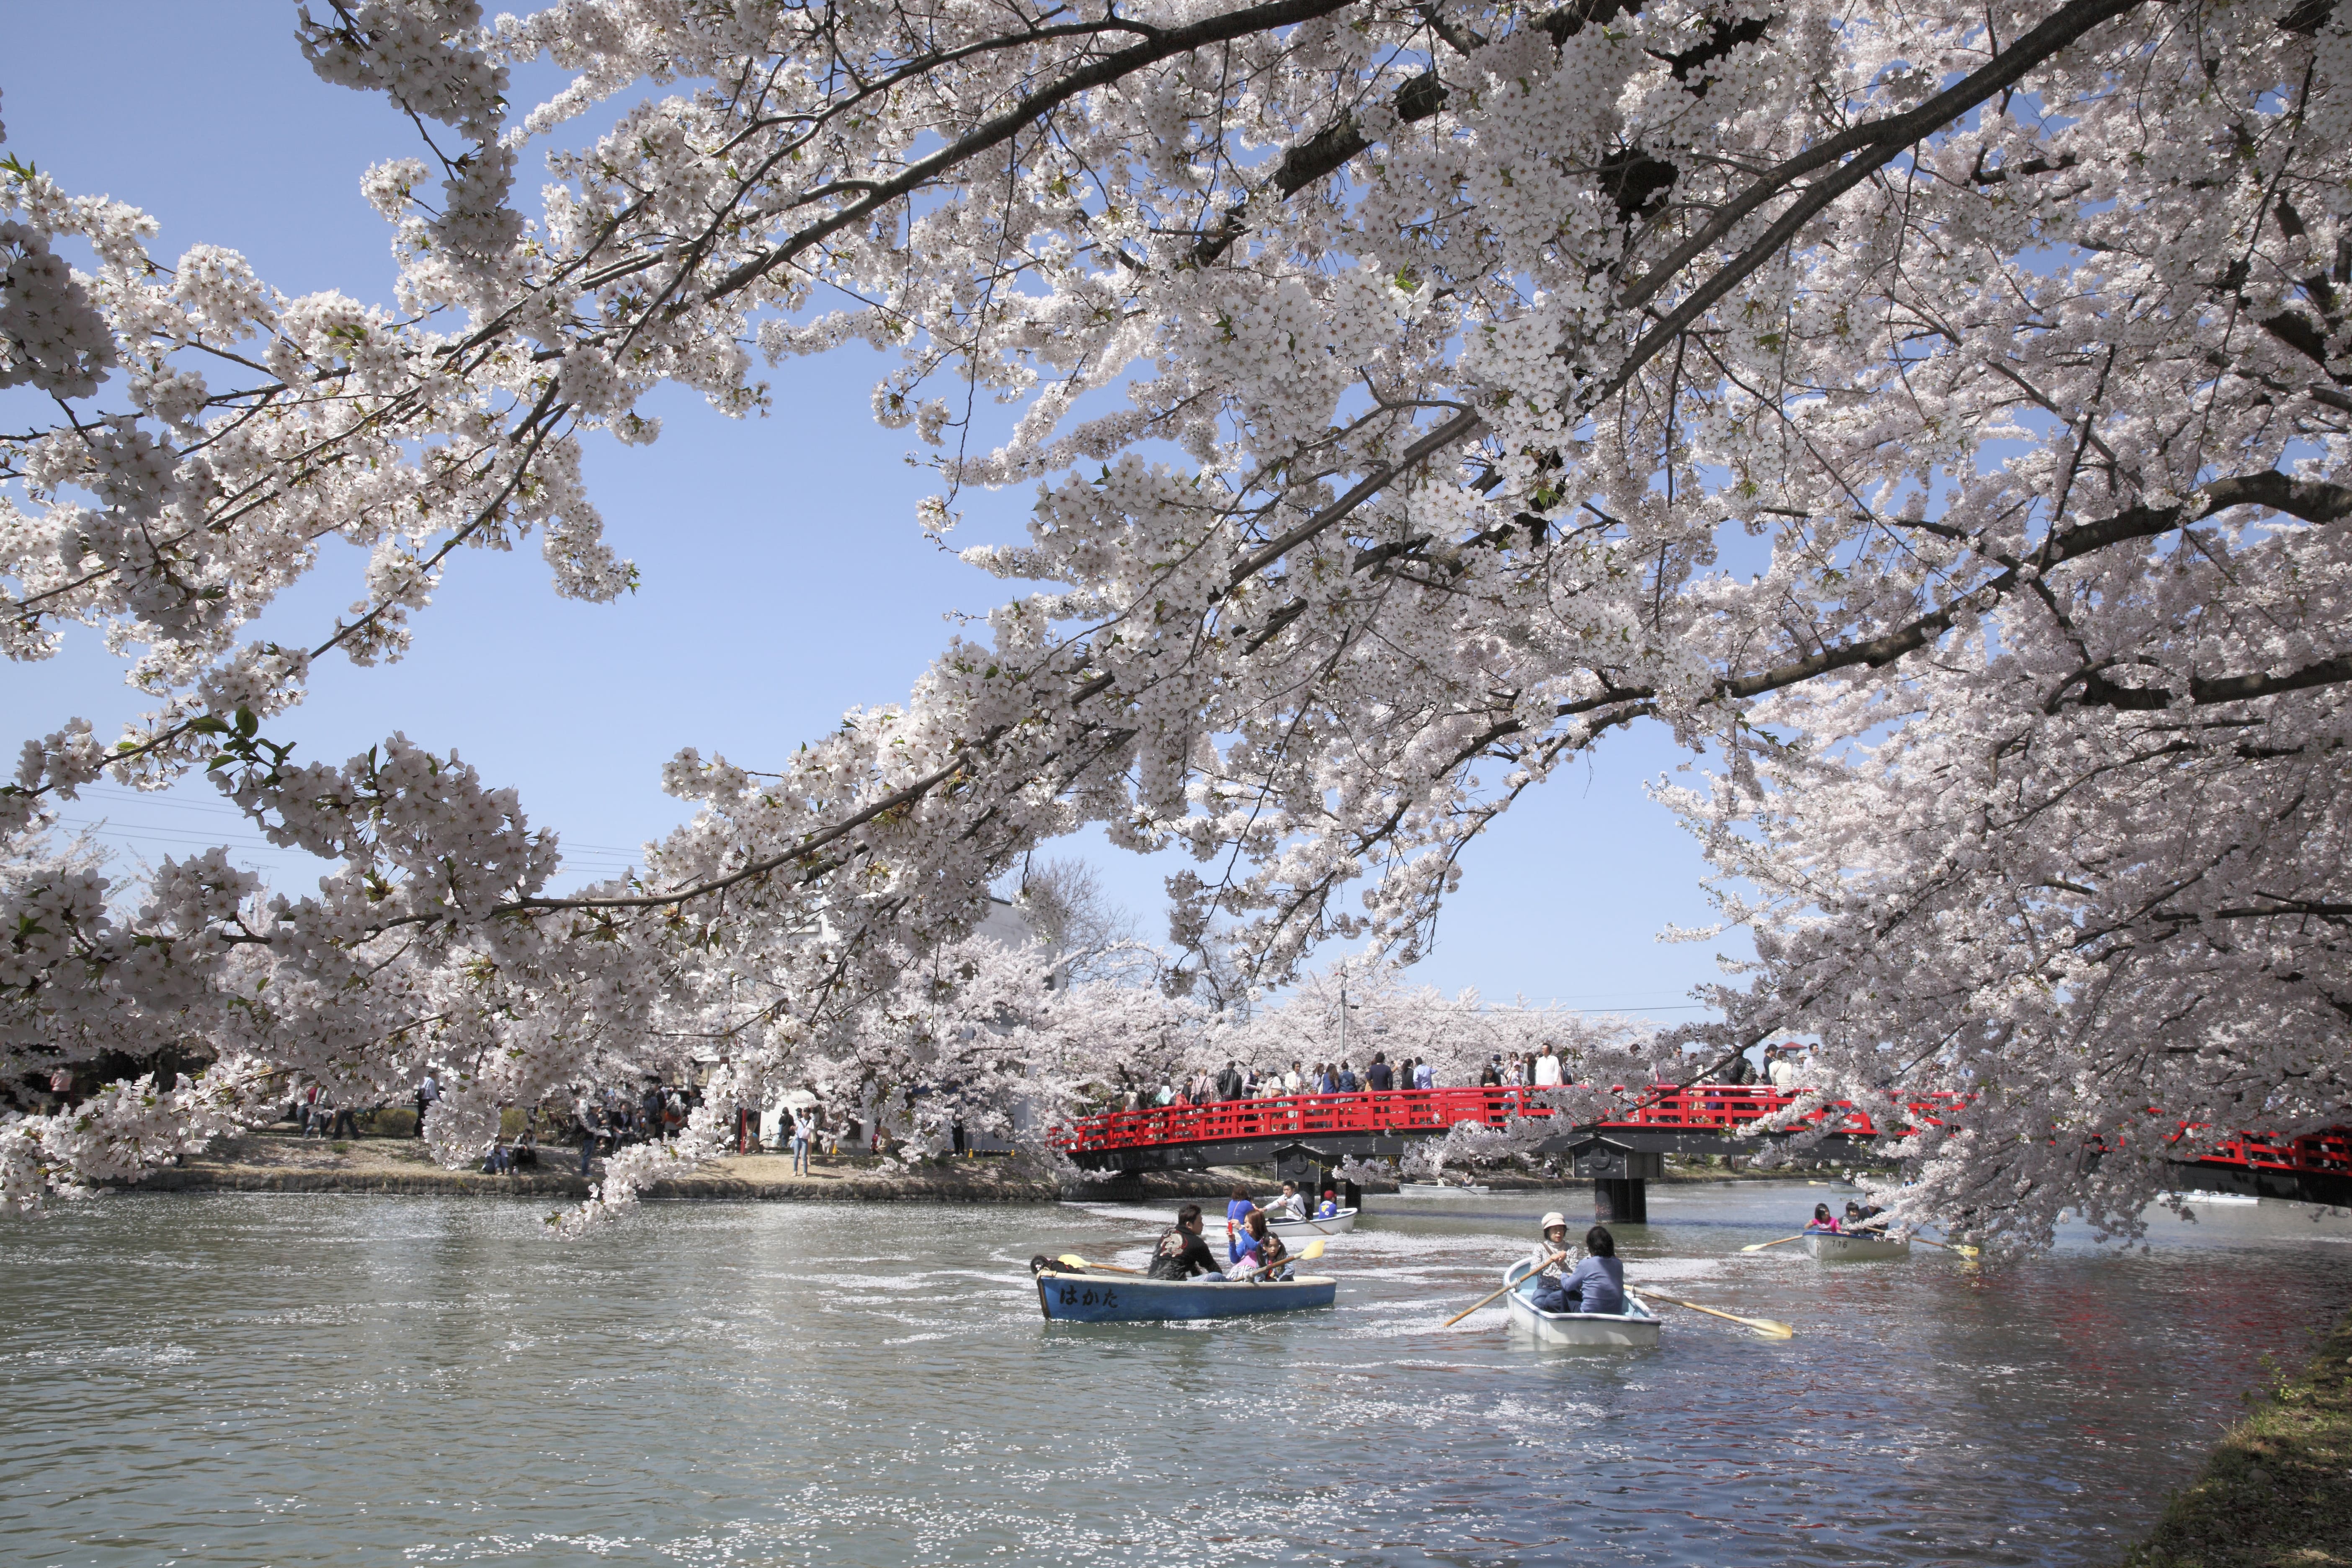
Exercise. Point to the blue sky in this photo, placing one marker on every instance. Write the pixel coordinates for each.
(785, 578)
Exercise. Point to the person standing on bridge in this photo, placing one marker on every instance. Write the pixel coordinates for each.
(1377, 1076)
(1492, 1077)
(1424, 1076)
(1229, 1082)
(1547, 1067)
(1292, 1080)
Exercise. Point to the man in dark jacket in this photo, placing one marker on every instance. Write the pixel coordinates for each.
(1182, 1254)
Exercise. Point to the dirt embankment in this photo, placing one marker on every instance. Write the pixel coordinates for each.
(278, 1161)
(2277, 1493)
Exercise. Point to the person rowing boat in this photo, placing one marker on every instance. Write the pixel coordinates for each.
(1824, 1223)
(1551, 1252)
(1291, 1205)
(1596, 1285)
(1181, 1253)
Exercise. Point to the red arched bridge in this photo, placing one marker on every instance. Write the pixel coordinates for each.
(1309, 1133)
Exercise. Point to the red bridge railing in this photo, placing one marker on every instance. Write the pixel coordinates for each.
(1700, 1107)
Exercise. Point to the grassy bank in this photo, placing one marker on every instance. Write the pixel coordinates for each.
(2278, 1491)
(276, 1160)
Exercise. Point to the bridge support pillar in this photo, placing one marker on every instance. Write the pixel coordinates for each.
(1623, 1200)
(1620, 1176)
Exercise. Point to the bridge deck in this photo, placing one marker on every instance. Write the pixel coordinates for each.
(1701, 1118)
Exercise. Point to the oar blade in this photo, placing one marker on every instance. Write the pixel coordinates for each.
(1311, 1251)
(1074, 1260)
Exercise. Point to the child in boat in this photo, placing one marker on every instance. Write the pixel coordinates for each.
(1262, 1254)
(1329, 1208)
(1182, 1254)
(1824, 1223)
(1596, 1285)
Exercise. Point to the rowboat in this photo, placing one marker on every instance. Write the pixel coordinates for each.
(1856, 1247)
(2212, 1198)
(1074, 1298)
(1436, 1189)
(1635, 1328)
(1339, 1224)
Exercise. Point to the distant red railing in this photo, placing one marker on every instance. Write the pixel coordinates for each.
(1703, 1107)
(1714, 1107)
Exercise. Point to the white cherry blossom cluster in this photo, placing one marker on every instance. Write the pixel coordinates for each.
(1939, 415)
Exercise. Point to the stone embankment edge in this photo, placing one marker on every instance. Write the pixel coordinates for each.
(690, 1189)
(2278, 1488)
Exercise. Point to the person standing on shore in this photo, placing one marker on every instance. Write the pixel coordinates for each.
(800, 1144)
(427, 1092)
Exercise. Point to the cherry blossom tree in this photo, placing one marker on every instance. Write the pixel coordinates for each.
(1938, 415)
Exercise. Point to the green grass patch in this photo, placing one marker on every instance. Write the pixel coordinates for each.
(2277, 1493)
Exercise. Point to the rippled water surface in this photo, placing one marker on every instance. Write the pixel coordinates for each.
(293, 1380)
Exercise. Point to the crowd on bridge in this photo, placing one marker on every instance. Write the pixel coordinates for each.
(1784, 1066)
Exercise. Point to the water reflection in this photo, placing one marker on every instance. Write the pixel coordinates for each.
(290, 1380)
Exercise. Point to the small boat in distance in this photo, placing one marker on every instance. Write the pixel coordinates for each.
(1436, 1189)
(1856, 1246)
(2205, 1197)
(1075, 1298)
(1636, 1328)
(1339, 1224)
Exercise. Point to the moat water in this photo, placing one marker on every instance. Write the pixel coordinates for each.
(286, 1380)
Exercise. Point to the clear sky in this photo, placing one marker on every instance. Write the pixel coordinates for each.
(784, 577)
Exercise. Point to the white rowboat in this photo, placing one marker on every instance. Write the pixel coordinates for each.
(1854, 1246)
(1339, 1224)
(1635, 1328)
(1434, 1189)
(2201, 1197)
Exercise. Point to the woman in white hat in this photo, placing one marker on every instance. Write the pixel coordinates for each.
(1551, 1250)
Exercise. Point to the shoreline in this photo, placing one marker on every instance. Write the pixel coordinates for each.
(281, 1161)
(2277, 1490)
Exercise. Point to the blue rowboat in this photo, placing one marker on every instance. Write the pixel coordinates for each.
(1132, 1298)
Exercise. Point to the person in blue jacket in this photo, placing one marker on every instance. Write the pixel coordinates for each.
(1238, 1212)
(1330, 1208)
(1596, 1285)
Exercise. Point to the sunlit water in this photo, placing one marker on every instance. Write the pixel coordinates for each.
(293, 1380)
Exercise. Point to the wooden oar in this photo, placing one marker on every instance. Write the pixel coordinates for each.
(1555, 1257)
(1961, 1247)
(1307, 1254)
(1075, 1261)
(1771, 1328)
(1761, 1246)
